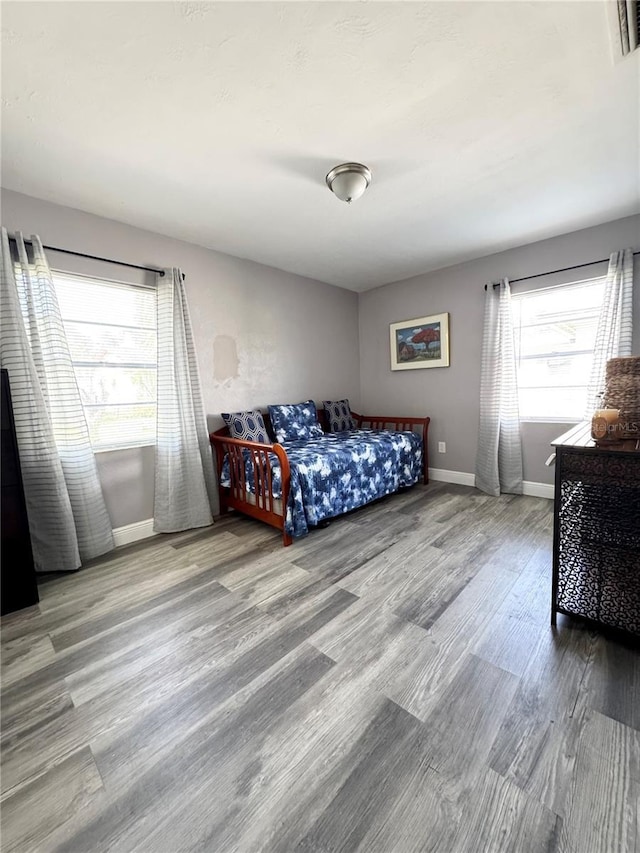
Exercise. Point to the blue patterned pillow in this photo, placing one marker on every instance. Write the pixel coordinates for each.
(296, 422)
(339, 415)
(249, 426)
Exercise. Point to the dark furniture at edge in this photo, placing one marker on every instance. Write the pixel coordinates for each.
(596, 538)
(264, 506)
(18, 588)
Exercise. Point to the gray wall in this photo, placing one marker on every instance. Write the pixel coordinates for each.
(262, 335)
(450, 396)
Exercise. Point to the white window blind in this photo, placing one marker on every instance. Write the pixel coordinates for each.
(555, 331)
(112, 333)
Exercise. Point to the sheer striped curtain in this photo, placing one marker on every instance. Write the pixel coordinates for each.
(499, 457)
(68, 519)
(615, 324)
(185, 484)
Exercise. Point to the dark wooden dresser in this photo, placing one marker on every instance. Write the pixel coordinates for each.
(19, 588)
(596, 541)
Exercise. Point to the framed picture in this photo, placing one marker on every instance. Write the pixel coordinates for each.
(420, 343)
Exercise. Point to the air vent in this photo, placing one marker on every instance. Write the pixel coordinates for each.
(624, 22)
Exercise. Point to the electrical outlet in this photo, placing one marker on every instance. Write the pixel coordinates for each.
(442, 447)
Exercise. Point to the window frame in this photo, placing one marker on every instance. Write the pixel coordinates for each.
(137, 443)
(522, 293)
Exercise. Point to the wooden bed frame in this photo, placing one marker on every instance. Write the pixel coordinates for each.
(263, 505)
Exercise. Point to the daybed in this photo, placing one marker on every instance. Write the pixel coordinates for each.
(296, 484)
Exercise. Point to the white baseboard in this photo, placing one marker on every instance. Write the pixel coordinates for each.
(538, 490)
(133, 532)
(464, 478)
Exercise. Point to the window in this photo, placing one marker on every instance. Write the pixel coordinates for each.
(555, 332)
(111, 331)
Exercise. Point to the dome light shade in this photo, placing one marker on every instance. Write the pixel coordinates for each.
(348, 181)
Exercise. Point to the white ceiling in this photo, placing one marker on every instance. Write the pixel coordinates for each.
(486, 125)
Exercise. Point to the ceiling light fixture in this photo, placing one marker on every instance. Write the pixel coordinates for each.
(348, 181)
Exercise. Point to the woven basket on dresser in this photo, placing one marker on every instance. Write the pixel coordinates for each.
(623, 392)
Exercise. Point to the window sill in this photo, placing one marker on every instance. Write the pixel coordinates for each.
(550, 420)
(117, 447)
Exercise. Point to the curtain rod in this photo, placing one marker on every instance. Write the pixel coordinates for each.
(551, 272)
(97, 258)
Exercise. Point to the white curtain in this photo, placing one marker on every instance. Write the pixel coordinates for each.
(68, 519)
(185, 483)
(615, 324)
(499, 458)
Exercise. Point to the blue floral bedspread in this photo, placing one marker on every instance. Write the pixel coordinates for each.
(339, 472)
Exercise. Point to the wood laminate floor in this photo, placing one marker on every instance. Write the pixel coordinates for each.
(389, 683)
